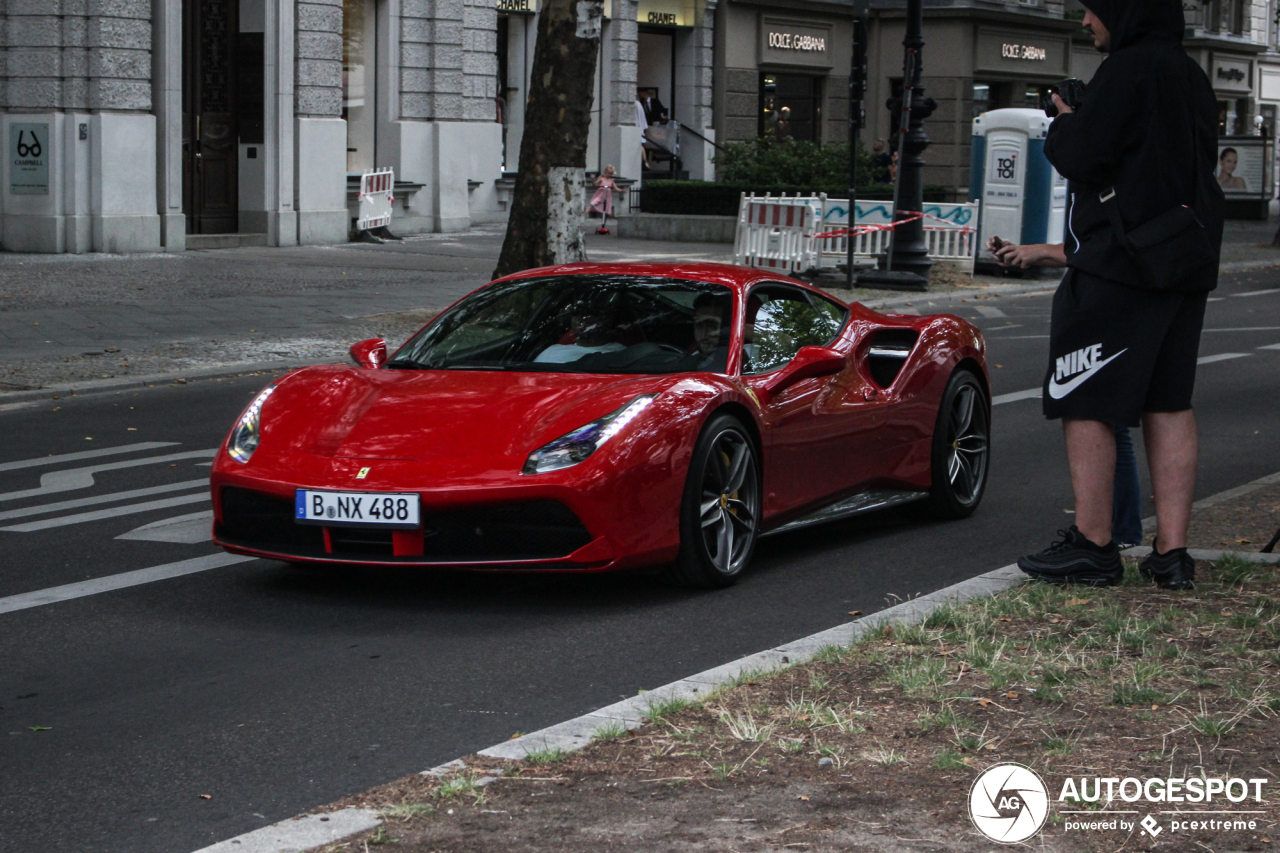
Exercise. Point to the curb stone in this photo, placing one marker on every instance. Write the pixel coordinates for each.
(95, 386)
(291, 836)
(298, 834)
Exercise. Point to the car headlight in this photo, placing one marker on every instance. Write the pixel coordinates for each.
(245, 435)
(569, 450)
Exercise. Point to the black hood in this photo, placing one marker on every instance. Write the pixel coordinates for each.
(1132, 21)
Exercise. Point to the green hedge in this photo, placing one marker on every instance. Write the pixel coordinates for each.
(721, 199)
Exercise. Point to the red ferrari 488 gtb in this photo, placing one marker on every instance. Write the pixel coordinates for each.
(593, 417)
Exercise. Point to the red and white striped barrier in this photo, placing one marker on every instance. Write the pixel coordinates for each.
(375, 199)
(947, 241)
(778, 233)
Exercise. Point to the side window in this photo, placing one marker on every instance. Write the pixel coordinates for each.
(781, 320)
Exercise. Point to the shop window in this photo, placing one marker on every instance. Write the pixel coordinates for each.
(359, 89)
(1234, 118)
(791, 107)
(1225, 16)
(987, 95)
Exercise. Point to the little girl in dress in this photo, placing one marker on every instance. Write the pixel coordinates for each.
(602, 201)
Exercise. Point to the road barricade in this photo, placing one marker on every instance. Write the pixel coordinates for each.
(949, 231)
(777, 233)
(375, 199)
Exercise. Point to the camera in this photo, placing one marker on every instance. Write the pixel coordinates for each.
(1070, 90)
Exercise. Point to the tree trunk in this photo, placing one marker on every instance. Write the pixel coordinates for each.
(545, 223)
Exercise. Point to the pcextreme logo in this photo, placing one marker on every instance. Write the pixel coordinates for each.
(1080, 365)
(1009, 803)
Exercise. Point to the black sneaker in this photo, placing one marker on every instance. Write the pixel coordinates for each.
(1172, 570)
(1075, 559)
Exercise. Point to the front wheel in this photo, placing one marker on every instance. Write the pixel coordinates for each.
(720, 512)
(961, 447)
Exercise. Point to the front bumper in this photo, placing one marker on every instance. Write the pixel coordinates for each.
(528, 535)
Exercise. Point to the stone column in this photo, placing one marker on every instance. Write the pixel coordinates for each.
(321, 160)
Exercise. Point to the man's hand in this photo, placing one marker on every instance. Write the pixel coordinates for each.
(1063, 106)
(1030, 255)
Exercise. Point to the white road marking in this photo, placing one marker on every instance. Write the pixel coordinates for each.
(989, 311)
(1258, 292)
(1021, 337)
(85, 454)
(123, 580)
(82, 478)
(1001, 328)
(181, 529)
(1216, 299)
(1222, 356)
(1029, 394)
(1036, 393)
(1247, 329)
(103, 499)
(1270, 346)
(113, 512)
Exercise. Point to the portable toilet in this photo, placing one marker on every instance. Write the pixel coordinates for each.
(1022, 197)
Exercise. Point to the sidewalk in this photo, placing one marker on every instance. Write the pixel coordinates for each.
(84, 318)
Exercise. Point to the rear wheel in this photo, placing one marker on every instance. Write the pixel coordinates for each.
(961, 447)
(720, 512)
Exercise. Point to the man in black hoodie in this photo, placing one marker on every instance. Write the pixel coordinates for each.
(1123, 347)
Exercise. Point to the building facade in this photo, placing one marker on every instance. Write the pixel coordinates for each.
(151, 125)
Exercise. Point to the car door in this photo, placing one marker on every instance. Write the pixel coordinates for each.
(820, 440)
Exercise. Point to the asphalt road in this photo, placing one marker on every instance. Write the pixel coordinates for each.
(272, 689)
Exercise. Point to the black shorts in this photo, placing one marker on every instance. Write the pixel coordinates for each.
(1116, 351)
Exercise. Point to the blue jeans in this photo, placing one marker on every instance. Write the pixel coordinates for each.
(1126, 492)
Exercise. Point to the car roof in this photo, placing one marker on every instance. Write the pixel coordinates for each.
(736, 277)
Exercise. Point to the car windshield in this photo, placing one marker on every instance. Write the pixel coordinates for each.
(580, 324)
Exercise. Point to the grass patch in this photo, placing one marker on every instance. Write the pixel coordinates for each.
(545, 756)
(609, 733)
(661, 710)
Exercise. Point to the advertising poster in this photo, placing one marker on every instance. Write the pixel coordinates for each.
(1241, 167)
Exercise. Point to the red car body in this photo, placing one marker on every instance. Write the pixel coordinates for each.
(459, 439)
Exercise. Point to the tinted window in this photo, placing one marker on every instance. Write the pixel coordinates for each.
(781, 320)
(580, 324)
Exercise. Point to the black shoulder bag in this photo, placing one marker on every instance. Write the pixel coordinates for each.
(1173, 249)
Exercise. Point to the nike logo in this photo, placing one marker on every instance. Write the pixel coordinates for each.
(1088, 358)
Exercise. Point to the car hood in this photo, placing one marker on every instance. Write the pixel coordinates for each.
(342, 412)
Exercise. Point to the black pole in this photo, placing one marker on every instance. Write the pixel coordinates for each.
(910, 263)
(857, 92)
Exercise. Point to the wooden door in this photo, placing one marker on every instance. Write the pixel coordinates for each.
(210, 146)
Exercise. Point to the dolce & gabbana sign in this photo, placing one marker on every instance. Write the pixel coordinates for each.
(1032, 53)
(785, 41)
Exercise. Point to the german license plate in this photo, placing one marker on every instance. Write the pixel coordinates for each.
(356, 509)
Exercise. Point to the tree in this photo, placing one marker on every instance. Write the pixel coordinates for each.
(545, 224)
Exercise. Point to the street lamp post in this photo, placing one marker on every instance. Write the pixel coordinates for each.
(908, 267)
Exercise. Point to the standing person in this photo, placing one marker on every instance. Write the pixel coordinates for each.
(1124, 339)
(880, 162)
(1126, 489)
(602, 201)
(642, 122)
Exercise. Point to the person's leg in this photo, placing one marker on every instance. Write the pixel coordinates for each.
(1126, 492)
(1172, 454)
(1091, 455)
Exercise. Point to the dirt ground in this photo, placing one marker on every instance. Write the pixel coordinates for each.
(875, 747)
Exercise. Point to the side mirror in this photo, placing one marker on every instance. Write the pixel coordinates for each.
(806, 364)
(372, 353)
